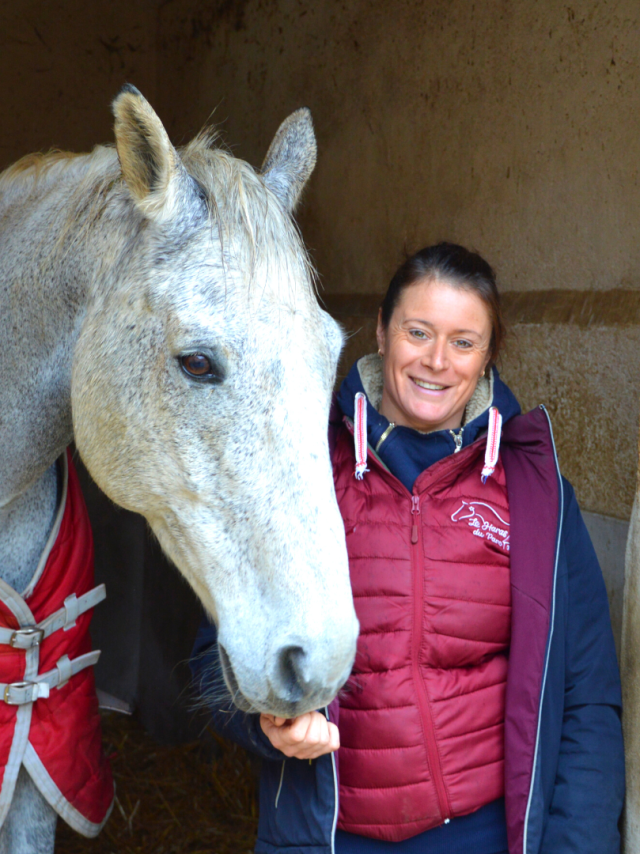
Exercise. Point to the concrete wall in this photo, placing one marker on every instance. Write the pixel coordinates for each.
(610, 540)
(62, 62)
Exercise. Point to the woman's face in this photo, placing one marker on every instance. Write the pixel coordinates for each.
(434, 352)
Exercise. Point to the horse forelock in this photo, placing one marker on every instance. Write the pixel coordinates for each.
(247, 215)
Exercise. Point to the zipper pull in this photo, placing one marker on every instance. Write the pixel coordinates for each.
(457, 439)
(415, 511)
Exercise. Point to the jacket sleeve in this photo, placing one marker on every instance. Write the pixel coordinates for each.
(231, 723)
(589, 785)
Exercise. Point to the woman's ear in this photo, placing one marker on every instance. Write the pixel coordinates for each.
(380, 333)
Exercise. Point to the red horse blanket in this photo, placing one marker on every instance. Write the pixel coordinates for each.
(49, 719)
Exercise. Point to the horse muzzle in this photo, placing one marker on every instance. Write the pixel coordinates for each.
(292, 688)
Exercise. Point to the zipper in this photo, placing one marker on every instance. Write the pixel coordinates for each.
(372, 453)
(335, 793)
(384, 436)
(457, 439)
(415, 512)
(551, 628)
(281, 781)
(433, 757)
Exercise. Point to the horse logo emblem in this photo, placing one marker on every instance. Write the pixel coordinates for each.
(486, 522)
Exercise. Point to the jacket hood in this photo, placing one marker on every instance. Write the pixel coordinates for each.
(408, 452)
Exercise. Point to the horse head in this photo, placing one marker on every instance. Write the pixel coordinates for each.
(201, 385)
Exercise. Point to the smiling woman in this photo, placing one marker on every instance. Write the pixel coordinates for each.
(483, 709)
(439, 328)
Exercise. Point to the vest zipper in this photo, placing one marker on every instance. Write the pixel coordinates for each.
(415, 511)
(433, 756)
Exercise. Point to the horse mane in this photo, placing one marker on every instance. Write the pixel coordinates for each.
(38, 168)
(235, 194)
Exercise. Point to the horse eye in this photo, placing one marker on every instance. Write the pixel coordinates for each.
(200, 367)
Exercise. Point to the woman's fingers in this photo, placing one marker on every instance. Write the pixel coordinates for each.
(334, 732)
(305, 737)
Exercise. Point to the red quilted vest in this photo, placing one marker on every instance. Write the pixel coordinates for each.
(422, 716)
(57, 738)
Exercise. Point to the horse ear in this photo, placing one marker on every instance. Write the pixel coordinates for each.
(291, 158)
(151, 167)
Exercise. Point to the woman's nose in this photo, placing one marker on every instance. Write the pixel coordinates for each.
(435, 356)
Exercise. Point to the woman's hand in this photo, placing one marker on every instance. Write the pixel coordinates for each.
(306, 737)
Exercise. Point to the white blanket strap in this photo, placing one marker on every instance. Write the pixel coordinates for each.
(64, 618)
(19, 693)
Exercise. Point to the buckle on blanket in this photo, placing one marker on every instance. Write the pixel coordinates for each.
(27, 638)
(7, 692)
(25, 692)
(17, 686)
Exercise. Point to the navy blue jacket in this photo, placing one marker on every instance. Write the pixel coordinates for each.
(563, 740)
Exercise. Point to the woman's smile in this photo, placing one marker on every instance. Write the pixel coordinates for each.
(427, 385)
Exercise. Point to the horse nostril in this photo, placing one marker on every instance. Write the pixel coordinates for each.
(291, 661)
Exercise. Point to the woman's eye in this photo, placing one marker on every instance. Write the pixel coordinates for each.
(462, 344)
(200, 367)
(418, 333)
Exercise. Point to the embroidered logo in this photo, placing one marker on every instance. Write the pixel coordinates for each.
(486, 522)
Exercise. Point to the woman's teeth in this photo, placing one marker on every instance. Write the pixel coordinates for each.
(430, 386)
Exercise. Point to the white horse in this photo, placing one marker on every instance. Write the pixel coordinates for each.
(158, 308)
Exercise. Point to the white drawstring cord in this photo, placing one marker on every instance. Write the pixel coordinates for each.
(491, 453)
(493, 444)
(360, 434)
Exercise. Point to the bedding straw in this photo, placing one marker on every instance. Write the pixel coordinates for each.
(172, 800)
